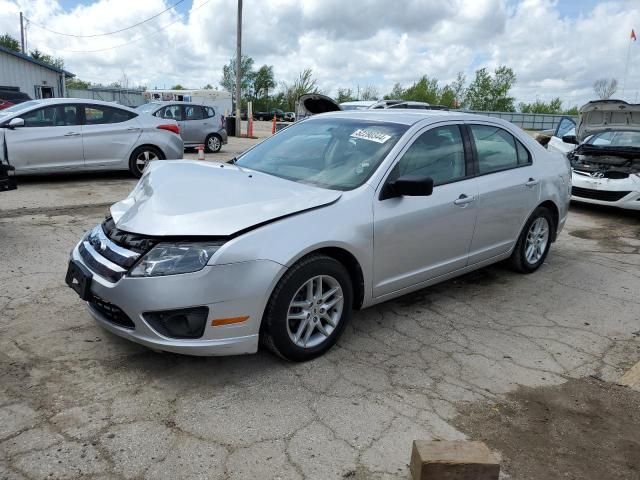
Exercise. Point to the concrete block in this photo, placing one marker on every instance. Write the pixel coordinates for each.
(456, 460)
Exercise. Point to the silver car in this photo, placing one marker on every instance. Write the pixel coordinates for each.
(73, 134)
(199, 124)
(337, 212)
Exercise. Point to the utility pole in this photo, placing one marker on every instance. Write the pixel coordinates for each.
(238, 65)
(22, 32)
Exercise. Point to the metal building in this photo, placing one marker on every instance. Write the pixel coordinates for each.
(33, 77)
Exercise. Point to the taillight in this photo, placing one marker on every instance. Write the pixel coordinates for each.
(171, 127)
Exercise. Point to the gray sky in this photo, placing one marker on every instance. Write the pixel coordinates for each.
(556, 48)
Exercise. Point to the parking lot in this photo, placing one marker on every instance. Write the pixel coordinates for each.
(78, 402)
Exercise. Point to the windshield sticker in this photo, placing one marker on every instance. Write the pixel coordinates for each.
(371, 136)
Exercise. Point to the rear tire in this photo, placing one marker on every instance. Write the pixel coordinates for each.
(213, 143)
(309, 309)
(533, 244)
(141, 157)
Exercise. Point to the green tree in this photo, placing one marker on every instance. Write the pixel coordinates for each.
(305, 83)
(264, 81)
(396, 93)
(207, 87)
(370, 92)
(9, 42)
(345, 95)
(77, 84)
(458, 88)
(573, 111)
(447, 97)
(539, 106)
(247, 74)
(424, 90)
(43, 57)
(488, 92)
(177, 86)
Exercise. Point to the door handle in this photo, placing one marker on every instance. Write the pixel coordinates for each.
(532, 182)
(463, 200)
(133, 129)
(71, 134)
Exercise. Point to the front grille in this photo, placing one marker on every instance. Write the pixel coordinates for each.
(131, 241)
(603, 195)
(112, 313)
(105, 257)
(98, 264)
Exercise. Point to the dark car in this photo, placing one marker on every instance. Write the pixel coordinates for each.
(9, 97)
(269, 114)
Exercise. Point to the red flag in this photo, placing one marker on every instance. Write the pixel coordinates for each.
(633, 35)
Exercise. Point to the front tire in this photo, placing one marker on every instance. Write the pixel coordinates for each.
(213, 143)
(533, 244)
(141, 157)
(309, 309)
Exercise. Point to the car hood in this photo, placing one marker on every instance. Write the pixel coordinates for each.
(190, 198)
(604, 115)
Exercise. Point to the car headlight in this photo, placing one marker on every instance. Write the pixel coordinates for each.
(175, 258)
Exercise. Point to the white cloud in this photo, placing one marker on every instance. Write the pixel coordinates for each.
(346, 43)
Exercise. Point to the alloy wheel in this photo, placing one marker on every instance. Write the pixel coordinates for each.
(143, 159)
(537, 239)
(315, 311)
(213, 143)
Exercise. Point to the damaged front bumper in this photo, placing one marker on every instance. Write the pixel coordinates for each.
(614, 192)
(127, 306)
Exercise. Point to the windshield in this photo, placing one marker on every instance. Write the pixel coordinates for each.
(147, 107)
(17, 107)
(334, 153)
(615, 139)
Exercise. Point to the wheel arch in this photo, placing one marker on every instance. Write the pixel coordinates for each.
(353, 267)
(555, 215)
(151, 145)
(346, 258)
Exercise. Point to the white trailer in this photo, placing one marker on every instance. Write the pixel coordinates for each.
(218, 99)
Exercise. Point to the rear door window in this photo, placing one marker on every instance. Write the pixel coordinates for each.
(172, 112)
(209, 112)
(100, 115)
(496, 149)
(193, 112)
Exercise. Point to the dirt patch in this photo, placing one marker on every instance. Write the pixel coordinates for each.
(585, 429)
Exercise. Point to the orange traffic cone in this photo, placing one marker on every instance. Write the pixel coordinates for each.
(273, 125)
(200, 152)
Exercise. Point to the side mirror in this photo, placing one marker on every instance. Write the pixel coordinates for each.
(411, 186)
(570, 139)
(16, 122)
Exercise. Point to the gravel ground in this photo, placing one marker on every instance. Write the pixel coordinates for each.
(77, 402)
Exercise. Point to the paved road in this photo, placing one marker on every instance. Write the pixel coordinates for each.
(77, 402)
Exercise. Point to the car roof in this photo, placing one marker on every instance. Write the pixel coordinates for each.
(407, 116)
(59, 101)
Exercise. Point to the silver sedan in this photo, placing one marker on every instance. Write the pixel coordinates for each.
(338, 212)
(74, 134)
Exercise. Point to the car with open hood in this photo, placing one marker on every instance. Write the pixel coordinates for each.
(604, 152)
(337, 212)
